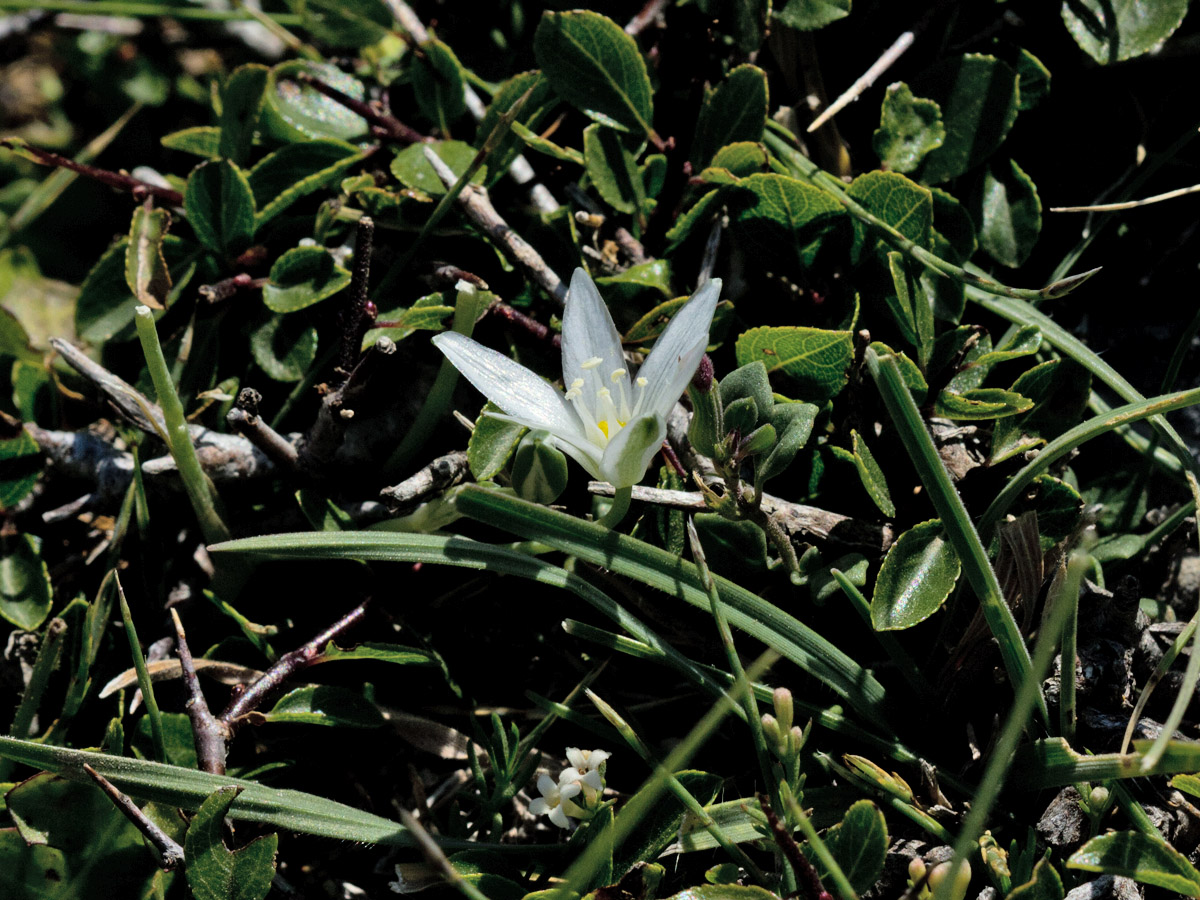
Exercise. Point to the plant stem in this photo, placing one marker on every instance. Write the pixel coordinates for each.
(616, 511)
(32, 697)
(199, 489)
(149, 10)
(143, 677)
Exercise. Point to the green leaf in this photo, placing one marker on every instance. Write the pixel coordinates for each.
(20, 464)
(297, 112)
(397, 654)
(809, 15)
(916, 577)
(349, 25)
(740, 159)
(735, 112)
(1058, 506)
(793, 422)
(896, 200)
(631, 285)
(540, 104)
(871, 475)
(724, 891)
(1034, 84)
(653, 833)
(980, 404)
(909, 129)
(281, 178)
(241, 102)
(818, 360)
(547, 147)
(284, 347)
(1009, 212)
(652, 324)
(785, 217)
(327, 705)
(413, 170)
(595, 66)
(1189, 784)
(492, 443)
(437, 79)
(909, 306)
(1110, 31)
(978, 98)
(859, 845)
(25, 593)
(1150, 860)
(105, 306)
(428, 313)
(1025, 341)
(220, 206)
(146, 270)
(201, 140)
(701, 215)
(301, 277)
(214, 872)
(1044, 885)
(612, 169)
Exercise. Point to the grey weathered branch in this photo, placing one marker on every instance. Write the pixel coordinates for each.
(443, 473)
(477, 205)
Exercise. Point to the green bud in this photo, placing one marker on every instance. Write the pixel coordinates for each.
(771, 732)
(749, 381)
(741, 416)
(760, 440)
(1098, 798)
(539, 469)
(782, 700)
(962, 879)
(705, 429)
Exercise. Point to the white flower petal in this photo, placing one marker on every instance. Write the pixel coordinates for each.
(511, 386)
(631, 449)
(577, 757)
(596, 757)
(547, 786)
(568, 790)
(676, 354)
(539, 806)
(576, 446)
(592, 780)
(588, 334)
(559, 817)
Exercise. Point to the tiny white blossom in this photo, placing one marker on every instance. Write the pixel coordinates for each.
(586, 770)
(610, 421)
(555, 800)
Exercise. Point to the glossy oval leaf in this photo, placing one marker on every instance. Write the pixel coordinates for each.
(1009, 212)
(809, 15)
(595, 66)
(241, 104)
(980, 404)
(871, 475)
(909, 129)
(349, 25)
(301, 277)
(20, 464)
(297, 112)
(725, 892)
(896, 200)
(1113, 30)
(327, 705)
(200, 140)
(537, 107)
(281, 178)
(1140, 857)
(818, 360)
(220, 206)
(736, 111)
(25, 593)
(413, 170)
(611, 167)
(978, 98)
(437, 79)
(214, 872)
(916, 577)
(859, 845)
(492, 443)
(284, 347)
(104, 307)
(1044, 885)
(784, 216)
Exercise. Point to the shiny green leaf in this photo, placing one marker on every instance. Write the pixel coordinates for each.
(1034, 85)
(979, 404)
(284, 347)
(1044, 885)
(871, 475)
(413, 170)
(200, 140)
(492, 443)
(297, 112)
(916, 577)
(301, 277)
(978, 98)
(220, 206)
(20, 464)
(818, 360)
(909, 129)
(538, 106)
(611, 167)
(785, 217)
(859, 845)
(809, 15)
(1010, 214)
(896, 200)
(437, 80)
(735, 112)
(241, 103)
(595, 66)
(214, 872)
(327, 705)
(281, 178)
(25, 594)
(1150, 860)
(146, 270)
(349, 25)
(1110, 31)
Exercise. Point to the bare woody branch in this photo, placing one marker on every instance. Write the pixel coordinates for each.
(170, 854)
(475, 203)
(210, 734)
(444, 472)
(119, 180)
(383, 125)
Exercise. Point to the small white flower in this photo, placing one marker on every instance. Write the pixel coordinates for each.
(586, 770)
(555, 800)
(610, 421)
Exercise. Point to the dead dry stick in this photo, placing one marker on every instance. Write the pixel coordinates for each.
(244, 419)
(648, 14)
(444, 472)
(475, 203)
(135, 406)
(209, 733)
(1130, 204)
(881, 65)
(286, 668)
(119, 180)
(170, 854)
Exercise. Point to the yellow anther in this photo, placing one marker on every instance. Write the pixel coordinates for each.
(616, 375)
(642, 382)
(591, 363)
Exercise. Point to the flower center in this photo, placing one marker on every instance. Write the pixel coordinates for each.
(604, 405)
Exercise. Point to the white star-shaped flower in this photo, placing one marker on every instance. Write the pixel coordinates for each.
(610, 421)
(586, 770)
(555, 799)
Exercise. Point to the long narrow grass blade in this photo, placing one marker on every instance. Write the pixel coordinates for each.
(955, 519)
